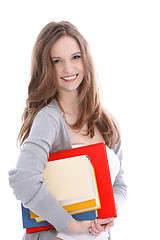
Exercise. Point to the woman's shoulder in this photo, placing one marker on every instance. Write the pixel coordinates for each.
(49, 117)
(50, 111)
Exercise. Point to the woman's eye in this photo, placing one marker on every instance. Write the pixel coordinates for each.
(77, 57)
(56, 61)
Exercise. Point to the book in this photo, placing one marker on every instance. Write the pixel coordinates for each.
(72, 182)
(80, 207)
(28, 222)
(32, 226)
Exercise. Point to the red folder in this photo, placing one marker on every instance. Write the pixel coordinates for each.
(98, 157)
(38, 229)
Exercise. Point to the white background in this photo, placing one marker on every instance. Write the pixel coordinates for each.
(125, 40)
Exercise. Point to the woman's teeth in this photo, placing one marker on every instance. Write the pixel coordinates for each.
(70, 78)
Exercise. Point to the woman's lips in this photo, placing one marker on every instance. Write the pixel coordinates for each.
(70, 78)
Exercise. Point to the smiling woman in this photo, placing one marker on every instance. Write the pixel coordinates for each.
(63, 109)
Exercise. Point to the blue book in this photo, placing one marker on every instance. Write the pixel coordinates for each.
(90, 215)
(31, 225)
(29, 222)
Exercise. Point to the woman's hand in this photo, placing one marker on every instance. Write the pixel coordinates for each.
(94, 227)
(101, 225)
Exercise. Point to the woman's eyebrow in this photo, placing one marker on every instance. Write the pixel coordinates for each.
(79, 52)
(55, 57)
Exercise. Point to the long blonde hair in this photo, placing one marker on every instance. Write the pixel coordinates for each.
(43, 87)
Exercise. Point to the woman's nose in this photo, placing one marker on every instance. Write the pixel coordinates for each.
(67, 68)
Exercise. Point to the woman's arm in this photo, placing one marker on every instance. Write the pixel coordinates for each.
(27, 179)
(79, 226)
(119, 186)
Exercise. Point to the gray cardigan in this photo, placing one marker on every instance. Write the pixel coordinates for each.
(48, 134)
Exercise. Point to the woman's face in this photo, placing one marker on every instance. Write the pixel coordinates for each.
(66, 56)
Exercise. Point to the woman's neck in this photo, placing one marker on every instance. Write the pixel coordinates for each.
(69, 102)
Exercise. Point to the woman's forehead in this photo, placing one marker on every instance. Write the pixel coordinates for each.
(65, 45)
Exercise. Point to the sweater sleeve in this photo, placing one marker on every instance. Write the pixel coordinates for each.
(27, 179)
(119, 186)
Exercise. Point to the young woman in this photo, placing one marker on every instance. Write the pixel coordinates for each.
(63, 110)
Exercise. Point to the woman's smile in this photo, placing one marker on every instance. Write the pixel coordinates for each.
(70, 78)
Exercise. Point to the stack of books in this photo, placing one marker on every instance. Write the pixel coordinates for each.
(79, 179)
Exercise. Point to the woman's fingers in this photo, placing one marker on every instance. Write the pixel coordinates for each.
(93, 230)
(109, 225)
(105, 220)
(101, 225)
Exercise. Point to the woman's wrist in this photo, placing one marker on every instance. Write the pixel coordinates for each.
(78, 226)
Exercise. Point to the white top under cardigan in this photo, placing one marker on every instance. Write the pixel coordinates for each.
(48, 134)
